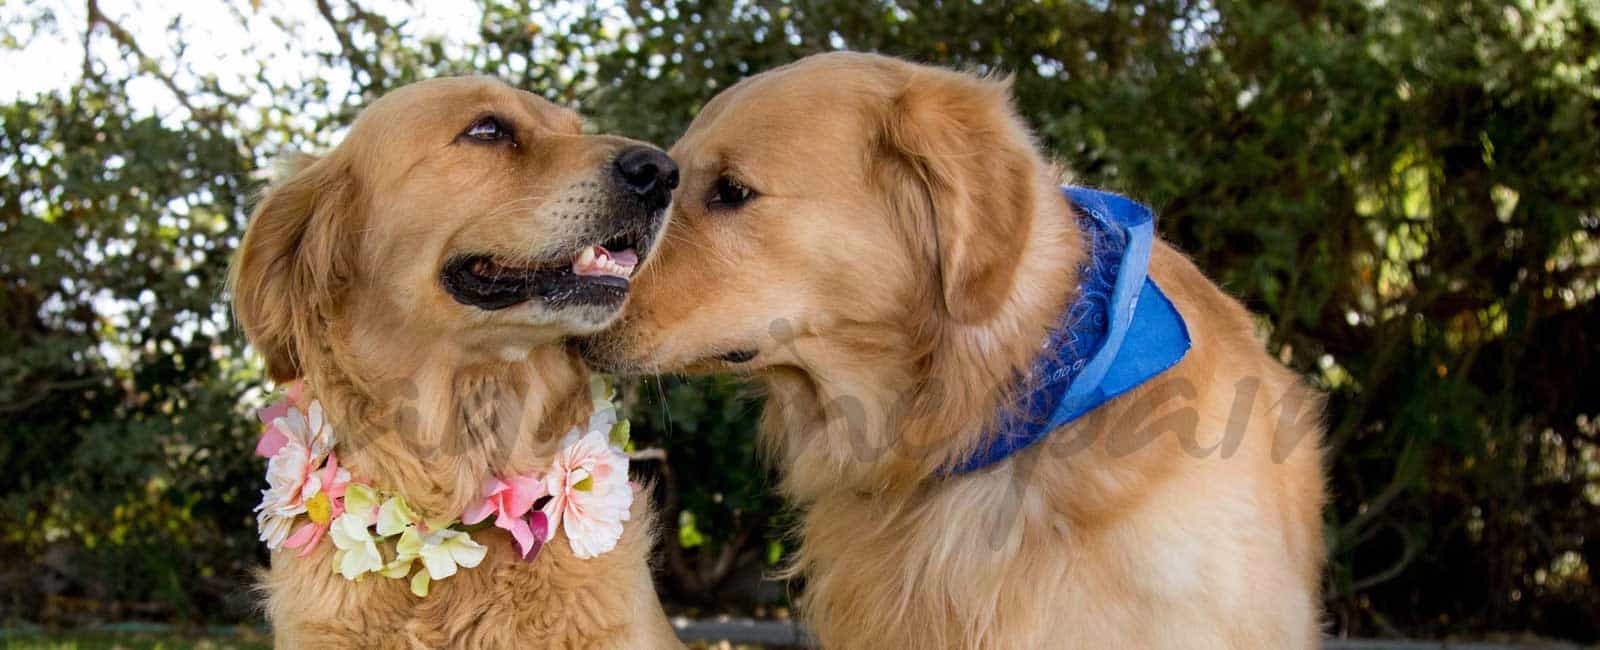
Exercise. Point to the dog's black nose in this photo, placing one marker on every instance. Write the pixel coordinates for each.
(649, 173)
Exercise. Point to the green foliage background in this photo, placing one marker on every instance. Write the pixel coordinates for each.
(1407, 193)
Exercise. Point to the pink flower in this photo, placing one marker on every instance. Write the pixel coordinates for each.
(590, 496)
(322, 508)
(274, 438)
(292, 471)
(510, 501)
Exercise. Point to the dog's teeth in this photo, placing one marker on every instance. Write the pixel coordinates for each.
(616, 269)
(595, 260)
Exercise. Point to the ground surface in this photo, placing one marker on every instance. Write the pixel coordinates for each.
(251, 638)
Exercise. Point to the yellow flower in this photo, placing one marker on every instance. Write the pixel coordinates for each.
(319, 508)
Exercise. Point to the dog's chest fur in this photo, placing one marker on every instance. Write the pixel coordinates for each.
(1085, 540)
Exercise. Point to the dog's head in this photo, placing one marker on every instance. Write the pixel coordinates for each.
(458, 211)
(846, 206)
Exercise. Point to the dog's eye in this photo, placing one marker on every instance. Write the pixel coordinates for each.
(487, 129)
(729, 193)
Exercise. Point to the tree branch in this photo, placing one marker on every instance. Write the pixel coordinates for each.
(41, 390)
(1394, 570)
(359, 61)
(1377, 505)
(147, 64)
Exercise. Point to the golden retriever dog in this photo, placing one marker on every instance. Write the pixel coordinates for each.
(883, 246)
(420, 281)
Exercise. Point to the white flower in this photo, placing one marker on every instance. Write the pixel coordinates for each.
(441, 551)
(357, 552)
(358, 549)
(602, 419)
(292, 477)
(273, 529)
(588, 483)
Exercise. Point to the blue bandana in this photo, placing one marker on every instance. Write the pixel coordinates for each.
(1120, 332)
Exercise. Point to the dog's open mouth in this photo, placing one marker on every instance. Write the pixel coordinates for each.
(596, 274)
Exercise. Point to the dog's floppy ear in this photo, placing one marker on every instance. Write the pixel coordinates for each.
(295, 259)
(958, 138)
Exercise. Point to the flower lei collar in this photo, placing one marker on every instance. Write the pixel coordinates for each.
(585, 491)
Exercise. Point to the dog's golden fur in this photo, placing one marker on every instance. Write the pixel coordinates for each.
(904, 251)
(337, 284)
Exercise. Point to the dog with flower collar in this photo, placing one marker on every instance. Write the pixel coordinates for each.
(441, 469)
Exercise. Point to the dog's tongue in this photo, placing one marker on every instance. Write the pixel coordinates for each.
(625, 257)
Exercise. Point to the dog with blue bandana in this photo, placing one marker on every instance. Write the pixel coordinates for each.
(1010, 416)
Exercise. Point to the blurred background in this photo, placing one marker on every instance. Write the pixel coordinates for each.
(1407, 193)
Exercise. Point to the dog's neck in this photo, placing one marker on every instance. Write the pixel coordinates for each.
(865, 415)
(883, 491)
(431, 422)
